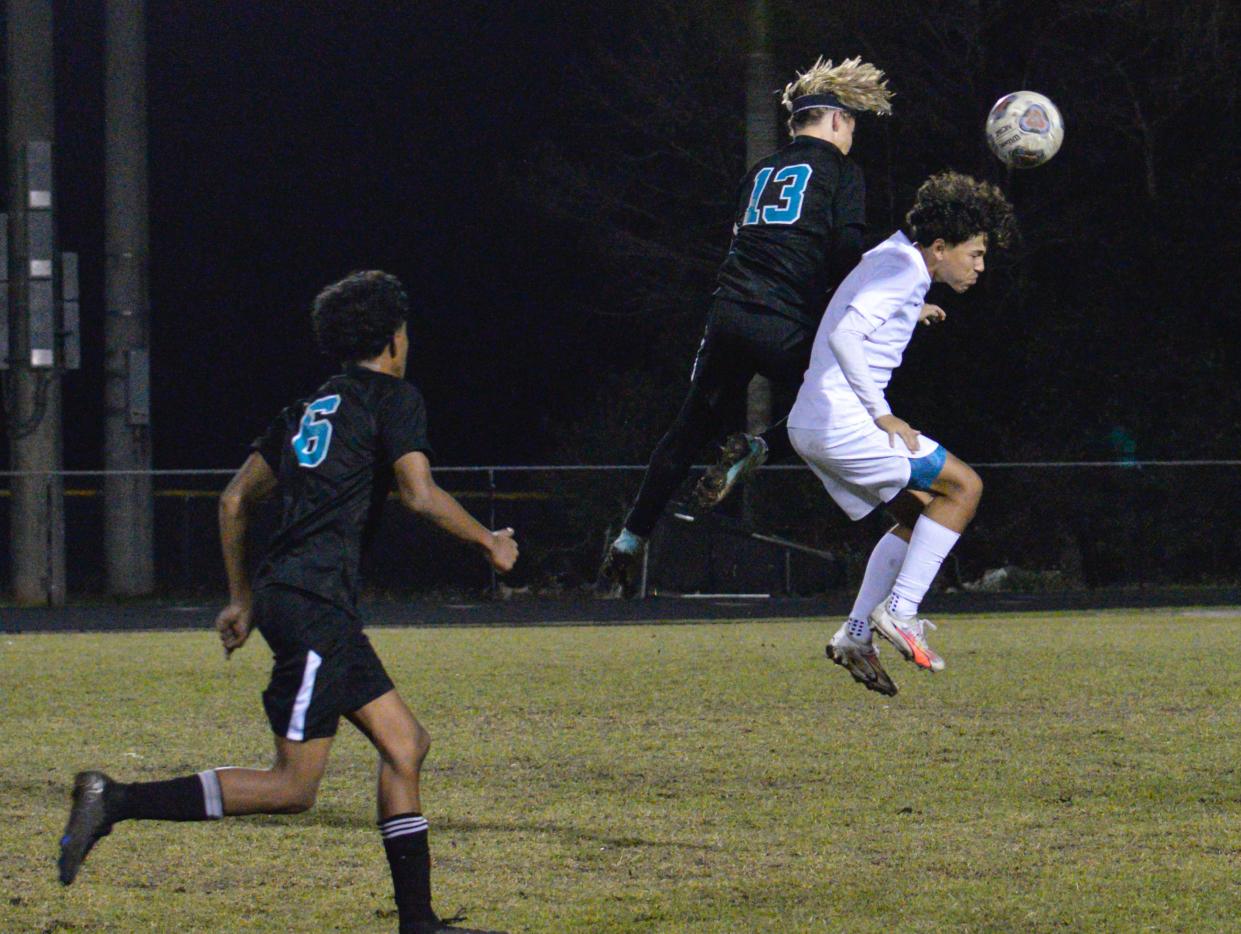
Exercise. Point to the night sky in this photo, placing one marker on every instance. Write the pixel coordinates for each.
(291, 143)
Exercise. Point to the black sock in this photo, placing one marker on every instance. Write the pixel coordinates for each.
(409, 856)
(194, 797)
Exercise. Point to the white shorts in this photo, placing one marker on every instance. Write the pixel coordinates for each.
(861, 470)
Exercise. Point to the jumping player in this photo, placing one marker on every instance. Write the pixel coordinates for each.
(798, 230)
(842, 426)
(333, 459)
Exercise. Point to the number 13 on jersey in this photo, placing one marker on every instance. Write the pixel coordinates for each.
(789, 184)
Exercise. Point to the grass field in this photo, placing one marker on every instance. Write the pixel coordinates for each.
(1067, 772)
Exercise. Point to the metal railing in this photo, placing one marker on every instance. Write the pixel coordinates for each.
(1063, 523)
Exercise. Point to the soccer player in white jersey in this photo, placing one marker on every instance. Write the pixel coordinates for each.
(866, 457)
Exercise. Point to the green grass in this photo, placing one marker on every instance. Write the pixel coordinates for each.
(1067, 772)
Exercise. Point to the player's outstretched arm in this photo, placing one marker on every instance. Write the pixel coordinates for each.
(252, 484)
(421, 495)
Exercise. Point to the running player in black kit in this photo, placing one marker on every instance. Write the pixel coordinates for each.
(332, 458)
(798, 231)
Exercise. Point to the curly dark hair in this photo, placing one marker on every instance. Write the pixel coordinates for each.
(355, 318)
(955, 208)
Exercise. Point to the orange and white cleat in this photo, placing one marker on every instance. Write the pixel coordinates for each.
(908, 635)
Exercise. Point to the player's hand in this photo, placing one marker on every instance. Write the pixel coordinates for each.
(932, 314)
(899, 428)
(502, 550)
(233, 625)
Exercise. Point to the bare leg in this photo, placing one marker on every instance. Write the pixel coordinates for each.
(402, 743)
(905, 510)
(958, 490)
(288, 787)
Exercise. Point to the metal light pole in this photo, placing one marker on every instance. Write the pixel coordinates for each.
(35, 323)
(129, 513)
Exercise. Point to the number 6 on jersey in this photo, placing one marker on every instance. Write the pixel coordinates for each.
(314, 434)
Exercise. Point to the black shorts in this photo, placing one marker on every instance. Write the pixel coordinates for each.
(741, 340)
(323, 664)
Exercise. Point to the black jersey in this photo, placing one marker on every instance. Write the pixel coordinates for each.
(800, 220)
(333, 454)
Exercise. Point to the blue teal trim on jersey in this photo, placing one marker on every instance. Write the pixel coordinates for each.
(792, 193)
(923, 471)
(760, 182)
(314, 434)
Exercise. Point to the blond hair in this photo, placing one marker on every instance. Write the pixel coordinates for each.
(858, 85)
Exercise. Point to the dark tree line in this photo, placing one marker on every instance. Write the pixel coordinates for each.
(1106, 334)
(1113, 311)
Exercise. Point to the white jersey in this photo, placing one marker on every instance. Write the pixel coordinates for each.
(880, 300)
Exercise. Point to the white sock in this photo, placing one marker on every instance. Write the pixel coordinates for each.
(881, 570)
(859, 629)
(928, 547)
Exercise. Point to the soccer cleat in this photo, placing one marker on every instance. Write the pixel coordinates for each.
(621, 573)
(861, 660)
(908, 635)
(740, 456)
(436, 925)
(88, 822)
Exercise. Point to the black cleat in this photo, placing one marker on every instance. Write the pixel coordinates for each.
(88, 823)
(621, 572)
(435, 925)
(740, 456)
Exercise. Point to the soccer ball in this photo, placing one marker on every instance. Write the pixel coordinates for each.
(1024, 129)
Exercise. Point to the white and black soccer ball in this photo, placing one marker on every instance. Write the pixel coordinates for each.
(1024, 129)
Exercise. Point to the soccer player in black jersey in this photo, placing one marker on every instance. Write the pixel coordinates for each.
(333, 459)
(798, 231)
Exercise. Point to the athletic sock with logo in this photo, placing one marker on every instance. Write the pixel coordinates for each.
(409, 858)
(881, 570)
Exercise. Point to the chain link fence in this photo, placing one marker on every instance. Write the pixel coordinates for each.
(1041, 526)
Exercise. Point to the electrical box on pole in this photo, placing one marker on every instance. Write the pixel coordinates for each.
(40, 239)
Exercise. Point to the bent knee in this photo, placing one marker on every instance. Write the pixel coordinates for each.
(298, 799)
(295, 795)
(419, 746)
(969, 489)
(407, 757)
(422, 742)
(300, 805)
(973, 486)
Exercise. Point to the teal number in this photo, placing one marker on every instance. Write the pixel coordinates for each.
(314, 434)
(792, 181)
(760, 181)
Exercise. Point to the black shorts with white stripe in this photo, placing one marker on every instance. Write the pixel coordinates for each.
(323, 667)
